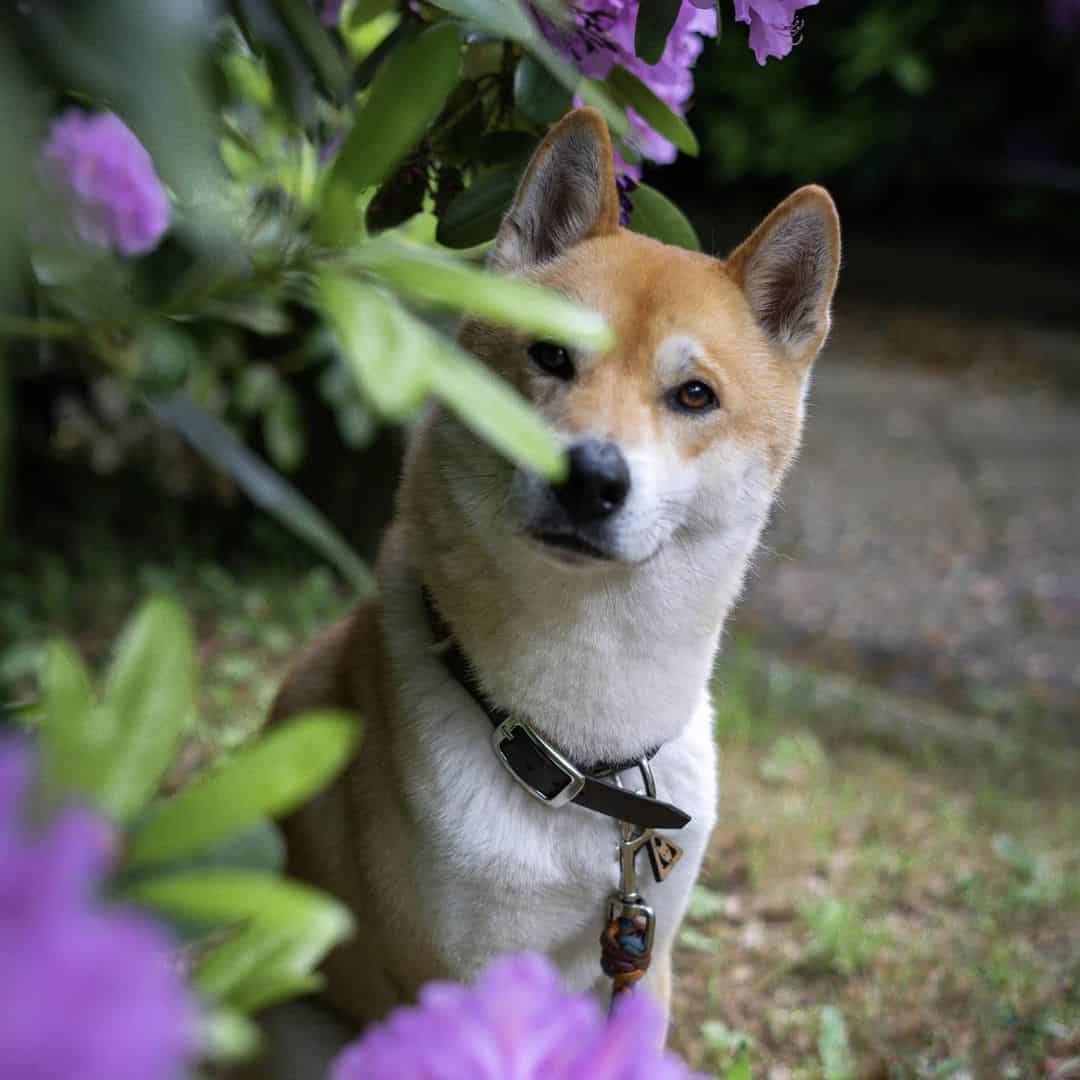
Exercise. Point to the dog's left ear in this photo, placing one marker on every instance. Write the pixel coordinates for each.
(567, 194)
(787, 270)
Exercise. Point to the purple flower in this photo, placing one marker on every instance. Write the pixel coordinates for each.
(86, 993)
(1065, 15)
(95, 162)
(602, 35)
(773, 25)
(515, 1023)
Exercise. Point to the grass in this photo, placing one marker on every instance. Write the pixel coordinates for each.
(930, 906)
(865, 911)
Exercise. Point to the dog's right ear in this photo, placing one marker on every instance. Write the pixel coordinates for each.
(567, 194)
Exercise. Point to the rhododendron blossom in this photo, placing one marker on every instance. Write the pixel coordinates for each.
(602, 35)
(773, 25)
(88, 991)
(97, 166)
(516, 1021)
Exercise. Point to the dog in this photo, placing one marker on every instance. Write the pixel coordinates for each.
(589, 610)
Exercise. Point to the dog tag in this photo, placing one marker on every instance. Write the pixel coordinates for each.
(663, 855)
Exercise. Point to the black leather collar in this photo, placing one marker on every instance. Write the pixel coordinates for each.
(537, 766)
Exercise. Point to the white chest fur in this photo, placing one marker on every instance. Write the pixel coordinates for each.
(496, 870)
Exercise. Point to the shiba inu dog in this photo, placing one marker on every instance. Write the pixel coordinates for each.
(591, 610)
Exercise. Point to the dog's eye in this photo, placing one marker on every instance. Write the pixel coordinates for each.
(553, 359)
(694, 396)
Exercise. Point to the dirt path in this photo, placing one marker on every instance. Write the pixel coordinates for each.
(930, 533)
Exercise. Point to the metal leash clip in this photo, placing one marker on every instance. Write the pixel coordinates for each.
(626, 942)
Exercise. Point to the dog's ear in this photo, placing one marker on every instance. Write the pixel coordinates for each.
(787, 269)
(567, 194)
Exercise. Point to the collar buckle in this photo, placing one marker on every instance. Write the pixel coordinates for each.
(535, 764)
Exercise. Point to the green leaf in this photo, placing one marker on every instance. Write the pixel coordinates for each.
(150, 690)
(363, 11)
(261, 314)
(283, 430)
(317, 44)
(503, 18)
(256, 387)
(558, 11)
(229, 1036)
(654, 22)
(509, 19)
(266, 779)
(496, 412)
(259, 847)
(474, 215)
(406, 95)
(167, 355)
(837, 1061)
(379, 342)
(67, 690)
(434, 278)
(75, 729)
(740, 1070)
(398, 359)
(657, 216)
(538, 94)
(503, 148)
(287, 929)
(912, 73)
(630, 90)
(263, 485)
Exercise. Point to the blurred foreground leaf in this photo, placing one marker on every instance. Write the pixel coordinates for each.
(114, 753)
(381, 343)
(398, 359)
(285, 930)
(75, 730)
(426, 275)
(265, 779)
(228, 1036)
(262, 485)
(150, 689)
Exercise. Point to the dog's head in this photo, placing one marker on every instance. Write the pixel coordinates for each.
(687, 425)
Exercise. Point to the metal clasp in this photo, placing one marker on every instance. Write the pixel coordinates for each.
(636, 922)
(575, 779)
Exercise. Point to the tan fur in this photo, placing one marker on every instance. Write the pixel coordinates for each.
(331, 841)
(753, 344)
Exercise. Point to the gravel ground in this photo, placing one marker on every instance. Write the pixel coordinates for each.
(929, 532)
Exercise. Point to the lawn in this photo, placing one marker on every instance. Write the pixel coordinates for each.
(868, 908)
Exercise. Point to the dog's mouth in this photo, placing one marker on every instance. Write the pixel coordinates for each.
(572, 547)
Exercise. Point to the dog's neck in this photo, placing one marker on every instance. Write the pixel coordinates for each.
(605, 662)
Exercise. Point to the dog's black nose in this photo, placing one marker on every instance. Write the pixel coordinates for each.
(598, 481)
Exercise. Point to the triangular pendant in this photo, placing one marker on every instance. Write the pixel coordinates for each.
(663, 855)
